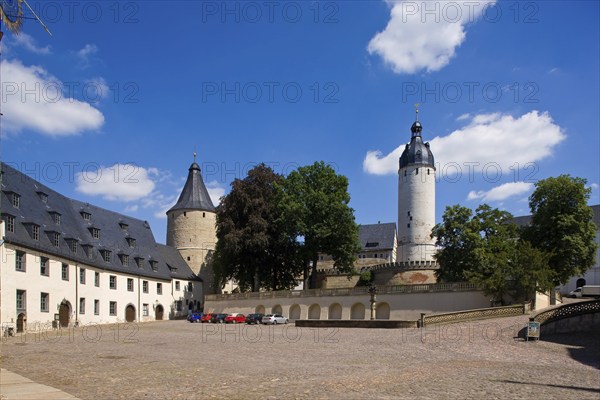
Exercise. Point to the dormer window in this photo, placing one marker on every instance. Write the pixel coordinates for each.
(131, 242)
(56, 239)
(73, 245)
(95, 233)
(172, 269)
(86, 216)
(139, 261)
(16, 200)
(35, 232)
(87, 250)
(10, 223)
(106, 255)
(124, 259)
(154, 265)
(43, 197)
(124, 227)
(55, 217)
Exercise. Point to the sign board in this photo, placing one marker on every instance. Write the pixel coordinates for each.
(533, 330)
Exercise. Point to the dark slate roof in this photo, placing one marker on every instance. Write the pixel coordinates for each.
(417, 152)
(114, 229)
(194, 195)
(526, 219)
(377, 236)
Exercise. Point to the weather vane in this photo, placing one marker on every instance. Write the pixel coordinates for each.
(11, 14)
(194, 153)
(417, 110)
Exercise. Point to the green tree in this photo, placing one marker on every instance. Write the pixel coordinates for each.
(562, 226)
(529, 272)
(253, 247)
(315, 207)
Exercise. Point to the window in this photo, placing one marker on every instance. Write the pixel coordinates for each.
(179, 305)
(203, 215)
(65, 272)
(416, 171)
(97, 279)
(145, 310)
(35, 232)
(139, 261)
(145, 286)
(190, 286)
(82, 305)
(16, 200)
(159, 288)
(86, 216)
(43, 197)
(88, 250)
(176, 285)
(82, 276)
(123, 226)
(124, 259)
(20, 261)
(95, 233)
(44, 266)
(106, 255)
(73, 246)
(427, 171)
(112, 308)
(112, 282)
(56, 218)
(10, 223)
(96, 307)
(154, 265)
(131, 242)
(56, 239)
(21, 301)
(408, 225)
(44, 302)
(130, 284)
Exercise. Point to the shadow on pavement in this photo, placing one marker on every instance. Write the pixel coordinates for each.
(592, 390)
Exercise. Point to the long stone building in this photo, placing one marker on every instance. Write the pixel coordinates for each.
(65, 262)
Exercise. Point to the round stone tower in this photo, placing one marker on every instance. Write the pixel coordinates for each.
(191, 227)
(416, 199)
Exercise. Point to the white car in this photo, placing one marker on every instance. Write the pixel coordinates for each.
(274, 319)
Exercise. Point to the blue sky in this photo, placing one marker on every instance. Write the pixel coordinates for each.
(110, 108)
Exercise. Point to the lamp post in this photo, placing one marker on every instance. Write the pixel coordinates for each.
(373, 293)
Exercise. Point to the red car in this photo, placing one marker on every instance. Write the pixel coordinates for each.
(235, 319)
(206, 317)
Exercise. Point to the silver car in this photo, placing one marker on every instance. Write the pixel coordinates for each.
(274, 319)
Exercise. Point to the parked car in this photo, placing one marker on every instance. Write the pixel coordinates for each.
(218, 318)
(235, 319)
(254, 318)
(274, 319)
(195, 317)
(207, 317)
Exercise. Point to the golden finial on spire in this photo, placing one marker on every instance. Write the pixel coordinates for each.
(417, 110)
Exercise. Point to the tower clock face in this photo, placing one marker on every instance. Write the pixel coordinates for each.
(10, 9)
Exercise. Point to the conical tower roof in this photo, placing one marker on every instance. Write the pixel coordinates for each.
(194, 195)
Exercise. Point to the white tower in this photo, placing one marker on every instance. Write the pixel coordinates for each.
(416, 199)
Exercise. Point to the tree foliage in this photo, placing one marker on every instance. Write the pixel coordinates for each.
(315, 207)
(562, 226)
(253, 246)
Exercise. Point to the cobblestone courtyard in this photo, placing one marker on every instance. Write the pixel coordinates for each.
(176, 359)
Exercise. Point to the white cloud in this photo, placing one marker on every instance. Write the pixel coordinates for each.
(85, 54)
(120, 182)
(501, 192)
(594, 186)
(489, 141)
(29, 43)
(96, 89)
(424, 35)
(463, 117)
(215, 192)
(34, 99)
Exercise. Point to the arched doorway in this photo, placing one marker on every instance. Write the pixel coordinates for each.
(21, 323)
(580, 283)
(335, 311)
(130, 313)
(160, 311)
(295, 312)
(314, 311)
(260, 309)
(277, 309)
(357, 311)
(64, 314)
(382, 311)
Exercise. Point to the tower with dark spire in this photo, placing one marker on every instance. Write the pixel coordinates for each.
(416, 199)
(191, 226)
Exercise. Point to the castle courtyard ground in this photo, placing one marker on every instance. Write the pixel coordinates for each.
(180, 360)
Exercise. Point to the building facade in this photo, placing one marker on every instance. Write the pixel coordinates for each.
(65, 262)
